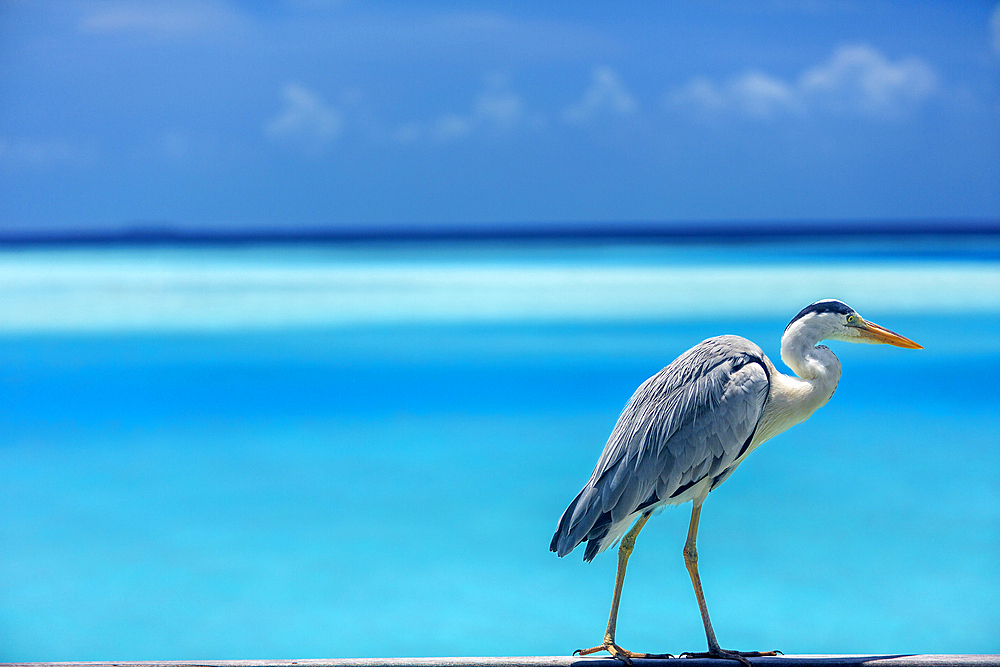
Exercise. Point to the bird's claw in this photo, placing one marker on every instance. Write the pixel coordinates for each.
(612, 648)
(740, 656)
(619, 653)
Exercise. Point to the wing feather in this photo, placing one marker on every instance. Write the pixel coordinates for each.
(688, 422)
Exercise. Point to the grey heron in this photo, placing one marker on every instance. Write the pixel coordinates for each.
(687, 428)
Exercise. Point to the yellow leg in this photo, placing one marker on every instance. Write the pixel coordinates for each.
(691, 561)
(609, 645)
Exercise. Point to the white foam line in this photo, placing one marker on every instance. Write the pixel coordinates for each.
(61, 296)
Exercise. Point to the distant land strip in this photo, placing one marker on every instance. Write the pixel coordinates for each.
(153, 233)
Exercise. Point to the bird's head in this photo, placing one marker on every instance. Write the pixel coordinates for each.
(830, 319)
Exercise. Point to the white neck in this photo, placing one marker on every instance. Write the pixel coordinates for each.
(793, 400)
(815, 364)
(818, 366)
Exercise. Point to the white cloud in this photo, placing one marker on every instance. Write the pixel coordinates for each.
(860, 77)
(605, 96)
(496, 109)
(754, 93)
(501, 108)
(306, 119)
(164, 19)
(762, 95)
(855, 79)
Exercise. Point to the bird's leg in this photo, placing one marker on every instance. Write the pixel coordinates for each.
(609, 645)
(691, 561)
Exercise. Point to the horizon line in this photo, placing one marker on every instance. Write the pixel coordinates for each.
(153, 233)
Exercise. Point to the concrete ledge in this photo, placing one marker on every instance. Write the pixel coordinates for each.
(564, 661)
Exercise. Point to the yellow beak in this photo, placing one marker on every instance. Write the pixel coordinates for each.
(879, 334)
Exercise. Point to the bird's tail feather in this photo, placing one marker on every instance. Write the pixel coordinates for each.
(561, 543)
(581, 521)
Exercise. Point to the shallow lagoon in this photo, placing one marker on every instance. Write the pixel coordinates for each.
(327, 451)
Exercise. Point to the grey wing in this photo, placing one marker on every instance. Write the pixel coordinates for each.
(691, 421)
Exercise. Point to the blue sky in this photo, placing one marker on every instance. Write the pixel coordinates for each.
(207, 113)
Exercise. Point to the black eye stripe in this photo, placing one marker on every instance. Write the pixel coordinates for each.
(827, 306)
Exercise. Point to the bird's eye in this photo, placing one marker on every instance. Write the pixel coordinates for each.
(851, 319)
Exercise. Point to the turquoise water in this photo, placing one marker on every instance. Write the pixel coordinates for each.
(291, 452)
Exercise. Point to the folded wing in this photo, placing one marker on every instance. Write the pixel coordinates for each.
(689, 423)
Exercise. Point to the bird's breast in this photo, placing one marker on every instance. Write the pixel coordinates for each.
(791, 401)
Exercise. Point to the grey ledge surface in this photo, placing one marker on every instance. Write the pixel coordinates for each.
(892, 660)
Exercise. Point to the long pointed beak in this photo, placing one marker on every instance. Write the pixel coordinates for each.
(879, 334)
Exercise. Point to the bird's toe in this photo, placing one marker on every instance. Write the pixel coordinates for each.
(739, 656)
(612, 648)
(619, 653)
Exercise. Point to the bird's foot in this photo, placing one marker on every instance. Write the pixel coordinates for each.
(740, 656)
(618, 652)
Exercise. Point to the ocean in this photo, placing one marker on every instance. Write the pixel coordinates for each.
(362, 450)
